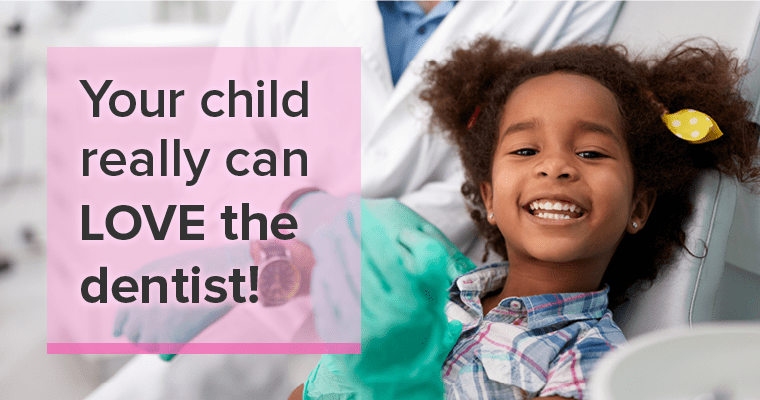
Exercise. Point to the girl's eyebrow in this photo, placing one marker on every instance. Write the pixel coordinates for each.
(520, 126)
(587, 126)
(583, 126)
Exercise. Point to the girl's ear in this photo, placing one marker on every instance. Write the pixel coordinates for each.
(486, 193)
(642, 207)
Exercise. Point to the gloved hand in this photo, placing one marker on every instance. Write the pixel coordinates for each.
(336, 246)
(405, 335)
(172, 322)
(396, 216)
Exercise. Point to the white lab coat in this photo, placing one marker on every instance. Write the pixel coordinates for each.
(400, 158)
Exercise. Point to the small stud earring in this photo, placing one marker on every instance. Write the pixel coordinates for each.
(490, 216)
(635, 225)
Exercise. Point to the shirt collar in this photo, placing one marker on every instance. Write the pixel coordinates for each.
(409, 7)
(414, 9)
(542, 310)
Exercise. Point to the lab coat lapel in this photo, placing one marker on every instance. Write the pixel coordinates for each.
(456, 29)
(364, 24)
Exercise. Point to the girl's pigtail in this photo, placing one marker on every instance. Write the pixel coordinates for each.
(691, 76)
(457, 88)
(706, 78)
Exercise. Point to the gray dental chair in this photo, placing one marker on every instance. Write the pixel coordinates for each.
(725, 284)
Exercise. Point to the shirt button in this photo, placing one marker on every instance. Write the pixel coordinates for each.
(421, 30)
(515, 305)
(380, 153)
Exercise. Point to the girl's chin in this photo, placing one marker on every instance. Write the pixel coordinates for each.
(556, 253)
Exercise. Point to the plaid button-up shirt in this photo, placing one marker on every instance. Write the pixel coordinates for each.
(525, 347)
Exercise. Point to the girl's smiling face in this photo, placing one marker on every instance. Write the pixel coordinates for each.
(562, 188)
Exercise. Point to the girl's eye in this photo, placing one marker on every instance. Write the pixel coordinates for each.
(525, 152)
(591, 154)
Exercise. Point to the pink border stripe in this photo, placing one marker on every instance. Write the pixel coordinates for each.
(204, 348)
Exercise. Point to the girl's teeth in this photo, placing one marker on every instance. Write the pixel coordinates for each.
(548, 206)
(553, 216)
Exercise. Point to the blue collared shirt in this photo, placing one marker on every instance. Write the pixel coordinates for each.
(526, 346)
(407, 28)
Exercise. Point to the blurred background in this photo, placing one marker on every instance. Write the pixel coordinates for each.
(27, 29)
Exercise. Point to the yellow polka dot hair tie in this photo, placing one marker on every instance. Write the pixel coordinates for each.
(693, 126)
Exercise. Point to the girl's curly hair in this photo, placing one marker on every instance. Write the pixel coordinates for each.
(704, 78)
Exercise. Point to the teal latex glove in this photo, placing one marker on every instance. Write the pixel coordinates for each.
(172, 322)
(405, 335)
(396, 216)
(336, 247)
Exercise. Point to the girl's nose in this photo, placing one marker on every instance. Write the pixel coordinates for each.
(557, 166)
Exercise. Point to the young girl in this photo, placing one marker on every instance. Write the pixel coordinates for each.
(579, 175)
(578, 166)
